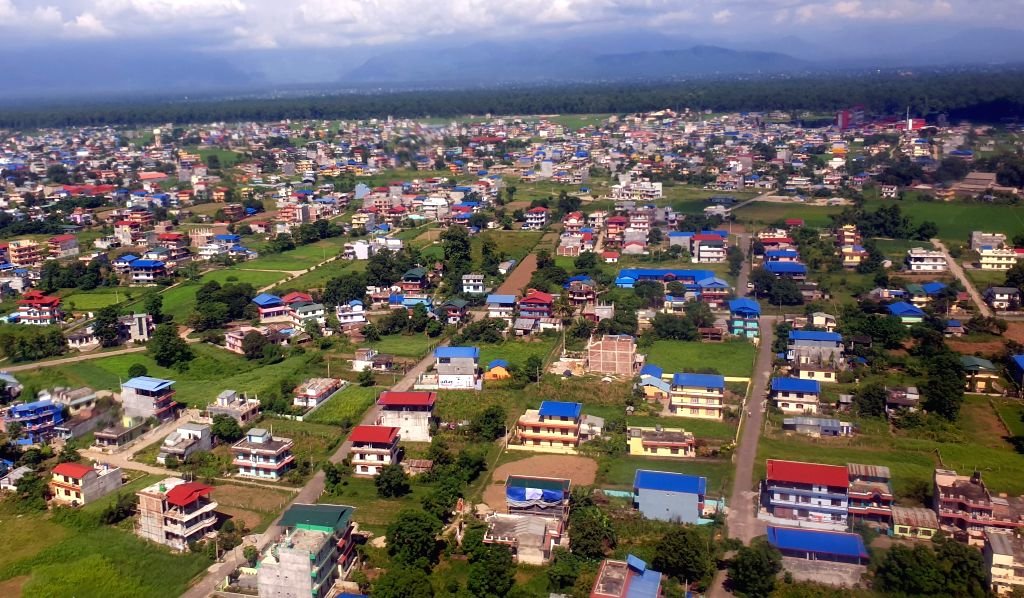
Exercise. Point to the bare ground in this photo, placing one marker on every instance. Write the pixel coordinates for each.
(519, 277)
(582, 471)
(1015, 331)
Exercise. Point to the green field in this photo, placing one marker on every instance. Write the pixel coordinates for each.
(347, 407)
(514, 244)
(621, 471)
(372, 512)
(401, 345)
(731, 358)
(179, 301)
(982, 279)
(317, 278)
(1011, 412)
(957, 219)
(93, 300)
(763, 212)
(299, 258)
(516, 352)
(701, 428)
(896, 249)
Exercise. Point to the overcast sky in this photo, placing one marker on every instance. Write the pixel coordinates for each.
(244, 24)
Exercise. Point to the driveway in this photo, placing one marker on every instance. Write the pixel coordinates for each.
(958, 271)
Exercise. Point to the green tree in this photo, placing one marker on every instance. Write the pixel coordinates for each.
(253, 344)
(910, 572)
(489, 424)
(68, 454)
(137, 369)
(342, 289)
(534, 368)
(684, 553)
(869, 400)
(752, 571)
(154, 306)
(457, 250)
(225, 428)
(392, 481)
(493, 573)
(106, 326)
(563, 570)
(401, 581)
(251, 555)
(371, 332)
(943, 391)
(312, 328)
(366, 377)
(167, 348)
(412, 537)
(593, 534)
(673, 327)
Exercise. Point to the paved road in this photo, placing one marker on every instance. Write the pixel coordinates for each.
(958, 271)
(742, 519)
(744, 276)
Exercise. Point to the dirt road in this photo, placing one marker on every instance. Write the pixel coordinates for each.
(520, 277)
(958, 271)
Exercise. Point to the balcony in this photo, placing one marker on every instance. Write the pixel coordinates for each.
(808, 506)
(269, 465)
(188, 530)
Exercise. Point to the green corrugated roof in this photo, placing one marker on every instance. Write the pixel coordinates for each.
(330, 517)
(517, 481)
(972, 363)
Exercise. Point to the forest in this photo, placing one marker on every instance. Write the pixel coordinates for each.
(979, 95)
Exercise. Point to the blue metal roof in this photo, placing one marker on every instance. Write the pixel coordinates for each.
(814, 335)
(501, 299)
(699, 380)
(147, 264)
(126, 258)
(560, 409)
(669, 482)
(795, 385)
(1018, 360)
(148, 383)
(497, 363)
(820, 542)
(266, 300)
(785, 268)
(455, 352)
(650, 369)
(644, 582)
(933, 288)
(744, 305)
(782, 253)
(904, 309)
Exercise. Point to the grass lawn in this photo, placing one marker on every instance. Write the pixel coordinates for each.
(256, 506)
(701, 428)
(299, 258)
(957, 219)
(317, 279)
(180, 301)
(413, 345)
(764, 212)
(513, 243)
(896, 249)
(844, 286)
(93, 300)
(619, 473)
(731, 358)
(516, 352)
(984, 279)
(313, 442)
(372, 512)
(1011, 412)
(347, 407)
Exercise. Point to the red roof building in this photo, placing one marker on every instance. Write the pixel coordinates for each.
(536, 304)
(373, 448)
(39, 309)
(188, 493)
(396, 399)
(409, 412)
(72, 470)
(810, 493)
(797, 472)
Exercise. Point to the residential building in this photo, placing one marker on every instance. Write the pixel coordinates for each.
(697, 395)
(175, 512)
(613, 354)
(453, 311)
(499, 369)
(473, 284)
(1004, 562)
(536, 515)
(502, 307)
(188, 439)
(536, 218)
(351, 315)
(817, 426)
(926, 260)
(901, 398)
(237, 406)
(304, 313)
(410, 412)
(870, 495)
(806, 494)
(794, 270)
(36, 308)
(908, 314)
(146, 397)
(965, 507)
(981, 239)
(62, 246)
(1003, 298)
(37, 421)
(819, 546)
(373, 449)
(555, 426)
(315, 391)
(993, 258)
(147, 271)
(456, 367)
(793, 395)
(316, 548)
(631, 578)
(74, 484)
(271, 308)
(25, 253)
(744, 317)
(262, 456)
(809, 346)
(536, 304)
(673, 443)
(75, 399)
(982, 374)
(669, 496)
(581, 291)
(414, 281)
(914, 523)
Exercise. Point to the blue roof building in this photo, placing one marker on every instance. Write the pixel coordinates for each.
(667, 496)
(265, 300)
(698, 380)
(37, 420)
(560, 409)
(907, 313)
(631, 578)
(795, 385)
(651, 369)
(744, 317)
(788, 269)
(457, 353)
(630, 276)
(1017, 369)
(839, 547)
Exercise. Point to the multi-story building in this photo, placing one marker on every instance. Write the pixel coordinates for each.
(373, 449)
(925, 260)
(260, 455)
(501, 306)
(236, 406)
(555, 426)
(536, 515)
(36, 420)
(315, 391)
(668, 496)
(25, 253)
(673, 443)
(189, 438)
(806, 494)
(637, 191)
(1002, 298)
(175, 512)
(271, 308)
(536, 304)
(697, 395)
(147, 271)
(351, 315)
(744, 317)
(794, 395)
(473, 284)
(410, 412)
(613, 354)
(631, 578)
(36, 308)
(966, 508)
(316, 548)
(870, 495)
(456, 367)
(62, 246)
(74, 484)
(993, 258)
(1004, 562)
(536, 218)
(304, 313)
(146, 397)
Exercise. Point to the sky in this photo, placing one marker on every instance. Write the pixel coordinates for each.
(212, 25)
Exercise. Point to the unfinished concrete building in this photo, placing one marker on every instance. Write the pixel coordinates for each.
(537, 511)
(175, 512)
(613, 354)
(316, 548)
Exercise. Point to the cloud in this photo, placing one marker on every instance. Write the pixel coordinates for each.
(722, 16)
(87, 25)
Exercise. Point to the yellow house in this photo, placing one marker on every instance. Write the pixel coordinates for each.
(497, 370)
(697, 395)
(982, 375)
(914, 523)
(1004, 562)
(661, 442)
(655, 389)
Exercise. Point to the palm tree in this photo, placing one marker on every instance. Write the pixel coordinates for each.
(564, 308)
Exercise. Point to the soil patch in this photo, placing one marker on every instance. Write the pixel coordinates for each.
(519, 277)
(12, 586)
(582, 471)
(250, 497)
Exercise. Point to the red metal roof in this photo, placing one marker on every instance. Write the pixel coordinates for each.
(295, 296)
(62, 238)
(798, 472)
(185, 494)
(72, 470)
(373, 434)
(535, 296)
(392, 398)
(537, 210)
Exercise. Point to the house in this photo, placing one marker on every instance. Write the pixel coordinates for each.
(631, 578)
(351, 316)
(62, 246)
(414, 281)
(654, 388)
(237, 406)
(814, 347)
(954, 328)
(316, 548)
(713, 291)
(907, 313)
(1002, 298)
(817, 426)
(744, 317)
(501, 307)
(582, 291)
(76, 399)
(175, 513)
(536, 218)
(914, 523)
(815, 545)
(697, 395)
(147, 271)
(262, 456)
(673, 443)
(925, 260)
(74, 484)
(302, 314)
(1016, 369)
(24, 253)
(906, 398)
(666, 496)
(793, 395)
(188, 439)
(555, 427)
(613, 354)
(456, 367)
(499, 369)
(870, 495)
(36, 308)
(314, 391)
(370, 358)
(145, 397)
(536, 515)
(410, 412)
(820, 319)
(473, 284)
(966, 507)
(1004, 563)
(271, 308)
(805, 494)
(536, 304)
(37, 420)
(628, 277)
(982, 374)
(994, 258)
(610, 257)
(453, 311)
(373, 449)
